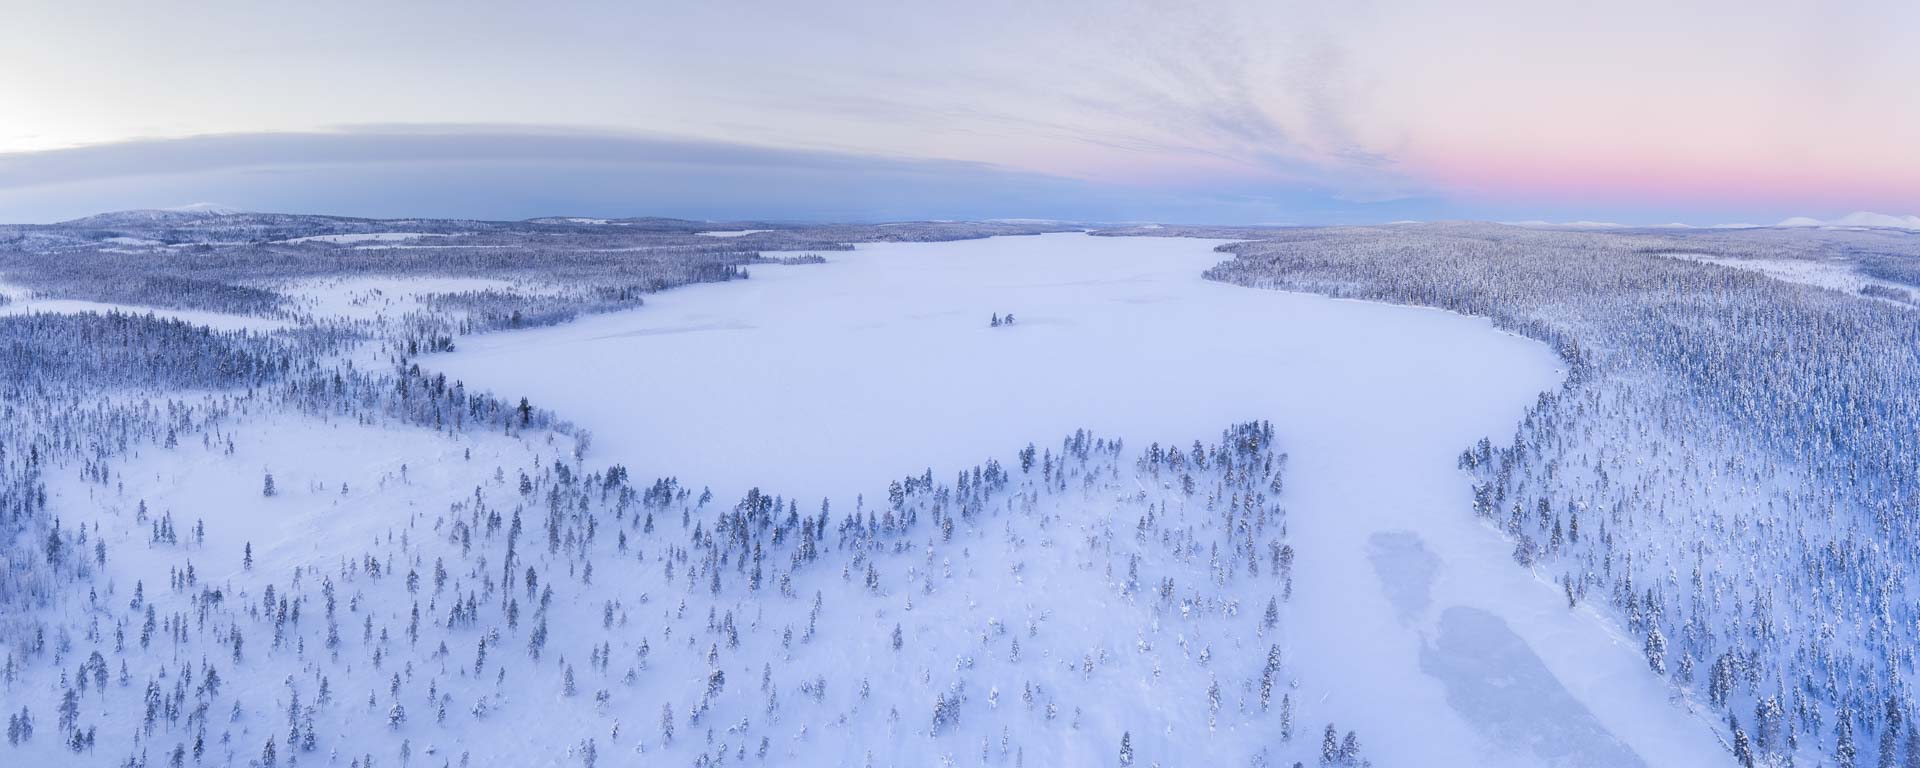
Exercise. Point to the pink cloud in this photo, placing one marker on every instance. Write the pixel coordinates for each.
(1646, 175)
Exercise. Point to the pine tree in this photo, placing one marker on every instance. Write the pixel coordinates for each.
(1267, 675)
(1286, 717)
(1126, 749)
(56, 547)
(69, 709)
(1656, 649)
(1890, 736)
(716, 682)
(1843, 748)
(1742, 750)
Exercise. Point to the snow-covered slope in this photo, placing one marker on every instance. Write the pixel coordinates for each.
(848, 558)
(882, 362)
(216, 320)
(1855, 219)
(1723, 473)
(155, 216)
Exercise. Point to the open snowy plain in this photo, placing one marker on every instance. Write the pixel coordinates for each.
(826, 515)
(826, 380)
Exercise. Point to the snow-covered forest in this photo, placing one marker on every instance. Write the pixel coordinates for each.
(1731, 468)
(250, 521)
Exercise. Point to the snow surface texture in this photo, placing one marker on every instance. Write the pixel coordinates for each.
(1856, 219)
(362, 237)
(378, 594)
(384, 299)
(1835, 274)
(1729, 472)
(882, 362)
(19, 301)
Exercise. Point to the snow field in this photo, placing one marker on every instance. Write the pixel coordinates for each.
(586, 607)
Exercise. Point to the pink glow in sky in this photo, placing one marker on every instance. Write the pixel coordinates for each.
(1670, 178)
(1786, 106)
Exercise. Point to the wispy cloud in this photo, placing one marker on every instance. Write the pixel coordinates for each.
(1484, 105)
(518, 172)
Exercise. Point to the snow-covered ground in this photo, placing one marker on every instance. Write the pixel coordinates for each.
(20, 303)
(1839, 274)
(362, 237)
(1855, 220)
(826, 380)
(888, 349)
(732, 232)
(333, 491)
(390, 247)
(380, 297)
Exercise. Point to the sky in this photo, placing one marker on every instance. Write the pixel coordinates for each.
(1233, 111)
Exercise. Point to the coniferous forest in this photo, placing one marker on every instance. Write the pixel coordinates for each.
(248, 521)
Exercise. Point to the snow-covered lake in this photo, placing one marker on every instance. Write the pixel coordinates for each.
(833, 379)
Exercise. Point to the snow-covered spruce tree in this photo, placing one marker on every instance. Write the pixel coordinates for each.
(1710, 413)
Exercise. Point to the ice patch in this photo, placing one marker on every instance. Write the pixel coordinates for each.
(832, 378)
(1406, 570)
(689, 328)
(1496, 682)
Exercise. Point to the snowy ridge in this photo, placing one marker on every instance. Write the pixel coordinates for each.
(1855, 219)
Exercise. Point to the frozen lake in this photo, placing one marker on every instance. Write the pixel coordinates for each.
(833, 379)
